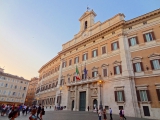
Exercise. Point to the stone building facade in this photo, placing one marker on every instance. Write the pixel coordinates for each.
(13, 89)
(30, 97)
(123, 55)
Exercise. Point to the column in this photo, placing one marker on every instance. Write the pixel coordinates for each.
(125, 56)
(75, 99)
(88, 102)
(98, 102)
(60, 74)
(68, 99)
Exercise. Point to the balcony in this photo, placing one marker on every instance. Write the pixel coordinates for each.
(84, 81)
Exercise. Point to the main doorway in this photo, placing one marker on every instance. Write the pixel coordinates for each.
(82, 101)
(95, 104)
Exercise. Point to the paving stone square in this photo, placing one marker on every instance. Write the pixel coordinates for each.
(71, 115)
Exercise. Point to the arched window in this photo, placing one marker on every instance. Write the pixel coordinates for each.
(85, 25)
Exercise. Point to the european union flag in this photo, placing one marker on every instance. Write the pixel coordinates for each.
(85, 72)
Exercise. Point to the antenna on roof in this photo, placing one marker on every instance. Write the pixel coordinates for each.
(88, 8)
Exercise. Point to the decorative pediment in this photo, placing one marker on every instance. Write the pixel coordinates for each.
(86, 14)
(104, 65)
(154, 55)
(137, 58)
(94, 68)
(68, 75)
(117, 62)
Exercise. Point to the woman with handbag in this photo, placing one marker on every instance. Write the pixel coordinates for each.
(42, 112)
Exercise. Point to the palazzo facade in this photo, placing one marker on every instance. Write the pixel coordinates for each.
(123, 55)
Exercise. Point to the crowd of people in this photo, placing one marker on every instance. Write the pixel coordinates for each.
(13, 111)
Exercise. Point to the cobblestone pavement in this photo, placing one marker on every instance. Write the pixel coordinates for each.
(69, 115)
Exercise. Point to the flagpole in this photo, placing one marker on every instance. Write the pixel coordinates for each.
(81, 71)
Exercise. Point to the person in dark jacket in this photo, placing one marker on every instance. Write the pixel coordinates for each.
(42, 113)
(38, 110)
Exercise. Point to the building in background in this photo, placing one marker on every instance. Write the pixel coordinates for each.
(13, 89)
(117, 61)
(30, 98)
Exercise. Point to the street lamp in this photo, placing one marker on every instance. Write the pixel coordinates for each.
(100, 85)
(37, 100)
(60, 98)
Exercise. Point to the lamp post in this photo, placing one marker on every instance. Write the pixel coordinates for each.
(60, 97)
(100, 85)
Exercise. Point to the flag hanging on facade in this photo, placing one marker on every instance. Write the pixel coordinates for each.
(77, 74)
(85, 72)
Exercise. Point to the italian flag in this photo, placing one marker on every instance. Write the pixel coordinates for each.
(77, 74)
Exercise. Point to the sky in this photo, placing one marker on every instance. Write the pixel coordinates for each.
(32, 31)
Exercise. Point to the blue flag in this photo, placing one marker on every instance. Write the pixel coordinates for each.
(85, 72)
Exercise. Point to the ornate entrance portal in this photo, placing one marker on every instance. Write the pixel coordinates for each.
(82, 101)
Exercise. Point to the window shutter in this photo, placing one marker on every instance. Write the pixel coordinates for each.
(144, 37)
(104, 72)
(92, 54)
(138, 95)
(137, 40)
(83, 57)
(152, 65)
(148, 95)
(142, 66)
(129, 42)
(92, 74)
(66, 64)
(78, 59)
(120, 66)
(123, 95)
(158, 94)
(118, 44)
(114, 70)
(115, 94)
(153, 35)
(87, 56)
(82, 76)
(104, 49)
(112, 46)
(97, 52)
(134, 68)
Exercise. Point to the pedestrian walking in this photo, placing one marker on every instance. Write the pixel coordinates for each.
(33, 115)
(123, 114)
(88, 108)
(110, 112)
(120, 114)
(42, 113)
(99, 114)
(104, 114)
(38, 110)
(13, 115)
(26, 110)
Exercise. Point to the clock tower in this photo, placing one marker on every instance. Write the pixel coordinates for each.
(87, 20)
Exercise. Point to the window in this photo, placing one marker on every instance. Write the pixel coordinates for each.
(9, 92)
(138, 67)
(20, 87)
(11, 86)
(6, 85)
(52, 85)
(155, 64)
(70, 62)
(117, 69)
(15, 86)
(68, 79)
(84, 76)
(119, 96)
(133, 41)
(14, 93)
(94, 73)
(24, 88)
(103, 49)
(143, 95)
(105, 72)
(85, 25)
(4, 92)
(85, 57)
(74, 78)
(95, 53)
(115, 45)
(1, 84)
(76, 60)
(64, 64)
(148, 37)
(22, 95)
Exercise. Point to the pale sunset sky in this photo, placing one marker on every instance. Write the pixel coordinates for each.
(32, 31)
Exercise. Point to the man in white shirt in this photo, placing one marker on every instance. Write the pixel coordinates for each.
(99, 114)
(110, 112)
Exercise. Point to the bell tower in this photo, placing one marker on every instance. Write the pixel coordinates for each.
(87, 20)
